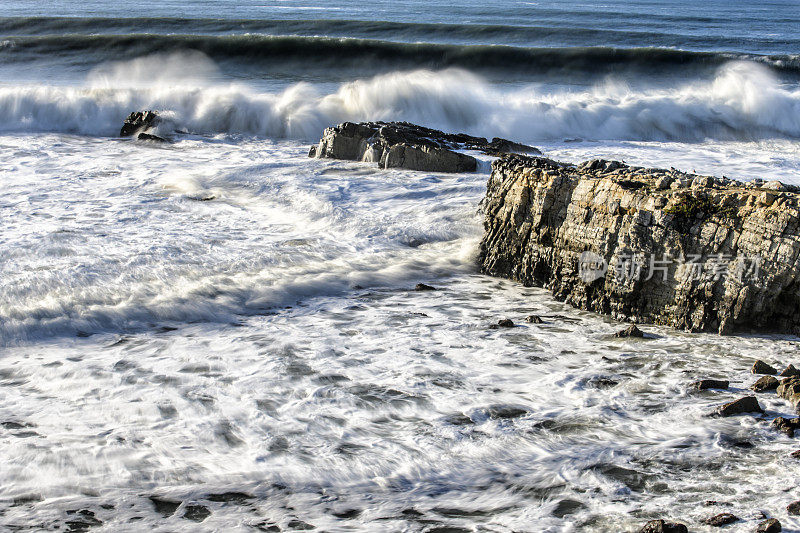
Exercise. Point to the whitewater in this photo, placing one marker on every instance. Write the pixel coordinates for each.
(222, 334)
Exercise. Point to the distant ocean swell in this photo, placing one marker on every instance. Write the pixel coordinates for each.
(352, 52)
(742, 101)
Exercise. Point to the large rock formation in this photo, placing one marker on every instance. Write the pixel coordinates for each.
(404, 145)
(647, 245)
(142, 125)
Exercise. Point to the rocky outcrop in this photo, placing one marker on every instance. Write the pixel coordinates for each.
(404, 145)
(647, 245)
(139, 122)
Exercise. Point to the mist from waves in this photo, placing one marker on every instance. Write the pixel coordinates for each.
(742, 101)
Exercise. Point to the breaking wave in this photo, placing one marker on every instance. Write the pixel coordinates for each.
(742, 101)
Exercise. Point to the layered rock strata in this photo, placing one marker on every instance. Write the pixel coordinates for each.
(647, 245)
(404, 145)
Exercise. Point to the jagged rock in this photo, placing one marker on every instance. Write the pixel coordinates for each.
(769, 526)
(603, 237)
(722, 519)
(138, 122)
(786, 425)
(795, 454)
(164, 506)
(793, 508)
(405, 145)
(662, 526)
(765, 383)
(705, 384)
(196, 513)
(630, 331)
(422, 287)
(789, 389)
(790, 371)
(748, 404)
(533, 319)
(760, 367)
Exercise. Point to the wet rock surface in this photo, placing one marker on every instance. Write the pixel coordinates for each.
(748, 404)
(635, 244)
(662, 526)
(772, 525)
(706, 384)
(764, 384)
(722, 519)
(630, 331)
(760, 367)
(405, 145)
(786, 425)
(139, 122)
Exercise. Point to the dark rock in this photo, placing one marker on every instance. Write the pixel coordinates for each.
(793, 508)
(422, 287)
(504, 412)
(151, 138)
(240, 498)
(722, 519)
(748, 404)
(139, 121)
(83, 521)
(196, 513)
(503, 323)
(705, 384)
(299, 525)
(766, 383)
(786, 425)
(165, 507)
(760, 367)
(581, 232)
(790, 372)
(662, 526)
(630, 331)
(795, 454)
(405, 145)
(769, 526)
(533, 319)
(789, 389)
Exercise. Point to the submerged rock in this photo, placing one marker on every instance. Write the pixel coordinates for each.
(760, 367)
(405, 145)
(607, 237)
(139, 122)
(705, 384)
(630, 331)
(769, 526)
(662, 526)
(793, 508)
(748, 404)
(766, 383)
(152, 138)
(503, 323)
(722, 519)
(533, 319)
(420, 287)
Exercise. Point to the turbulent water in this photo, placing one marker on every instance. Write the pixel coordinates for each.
(220, 334)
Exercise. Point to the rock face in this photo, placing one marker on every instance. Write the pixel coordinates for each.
(404, 145)
(647, 245)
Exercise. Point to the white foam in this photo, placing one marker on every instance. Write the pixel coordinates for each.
(744, 101)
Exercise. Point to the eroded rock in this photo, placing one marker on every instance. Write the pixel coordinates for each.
(760, 367)
(764, 384)
(405, 145)
(771, 525)
(786, 425)
(748, 404)
(606, 237)
(630, 331)
(662, 526)
(722, 519)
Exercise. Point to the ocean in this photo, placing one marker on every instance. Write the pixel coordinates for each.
(221, 334)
